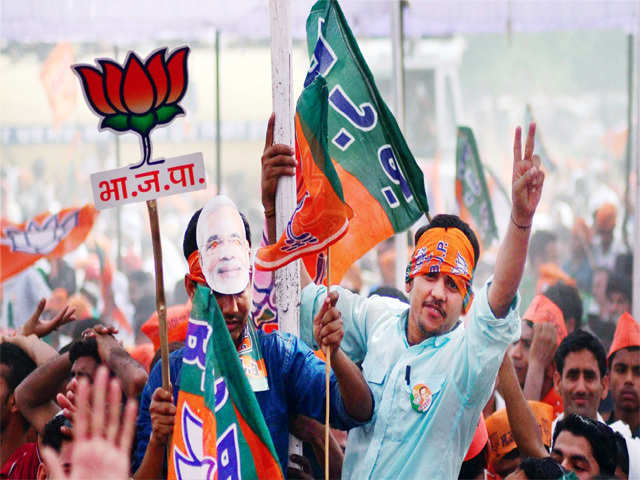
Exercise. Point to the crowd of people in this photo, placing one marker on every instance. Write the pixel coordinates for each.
(534, 374)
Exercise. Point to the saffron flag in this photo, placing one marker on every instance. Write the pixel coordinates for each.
(46, 235)
(263, 309)
(219, 430)
(472, 194)
(321, 217)
(538, 146)
(380, 179)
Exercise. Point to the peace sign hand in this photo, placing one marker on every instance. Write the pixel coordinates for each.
(527, 180)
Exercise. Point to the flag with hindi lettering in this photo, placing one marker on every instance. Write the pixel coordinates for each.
(472, 194)
(46, 235)
(380, 179)
(219, 431)
(538, 147)
(321, 217)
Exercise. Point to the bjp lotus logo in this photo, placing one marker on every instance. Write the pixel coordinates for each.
(138, 96)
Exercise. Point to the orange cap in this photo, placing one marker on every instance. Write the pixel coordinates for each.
(480, 438)
(177, 323)
(143, 354)
(501, 440)
(543, 310)
(550, 274)
(606, 217)
(627, 334)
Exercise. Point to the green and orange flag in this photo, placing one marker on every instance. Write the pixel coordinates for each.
(380, 179)
(219, 431)
(321, 217)
(472, 194)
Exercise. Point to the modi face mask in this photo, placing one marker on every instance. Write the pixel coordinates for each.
(447, 251)
(222, 246)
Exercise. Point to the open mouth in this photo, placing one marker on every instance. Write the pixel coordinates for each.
(435, 309)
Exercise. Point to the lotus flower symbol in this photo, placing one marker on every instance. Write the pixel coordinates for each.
(139, 95)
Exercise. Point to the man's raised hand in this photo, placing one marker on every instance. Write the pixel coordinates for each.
(527, 180)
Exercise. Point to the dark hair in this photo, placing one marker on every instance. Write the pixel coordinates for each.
(80, 326)
(541, 468)
(567, 299)
(19, 363)
(538, 243)
(392, 292)
(84, 348)
(618, 284)
(624, 264)
(474, 466)
(581, 340)
(53, 436)
(190, 243)
(600, 437)
(622, 458)
(452, 221)
(632, 348)
(173, 346)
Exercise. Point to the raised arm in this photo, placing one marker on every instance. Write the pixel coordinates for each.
(526, 189)
(543, 348)
(524, 427)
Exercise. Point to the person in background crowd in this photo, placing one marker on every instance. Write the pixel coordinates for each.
(624, 364)
(605, 248)
(62, 276)
(585, 446)
(617, 301)
(579, 264)
(543, 249)
(567, 298)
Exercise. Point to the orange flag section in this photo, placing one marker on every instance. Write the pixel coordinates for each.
(321, 217)
(46, 235)
(369, 226)
(267, 466)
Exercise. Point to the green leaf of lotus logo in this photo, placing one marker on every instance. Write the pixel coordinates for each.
(138, 96)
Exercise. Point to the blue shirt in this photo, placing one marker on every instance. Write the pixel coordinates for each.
(296, 386)
(459, 369)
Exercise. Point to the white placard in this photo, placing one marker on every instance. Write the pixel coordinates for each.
(112, 188)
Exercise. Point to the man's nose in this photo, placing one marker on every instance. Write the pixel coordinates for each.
(437, 288)
(229, 305)
(581, 384)
(516, 350)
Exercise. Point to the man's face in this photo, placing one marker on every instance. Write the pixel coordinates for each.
(519, 352)
(580, 384)
(575, 454)
(599, 286)
(606, 237)
(235, 310)
(617, 304)
(435, 306)
(224, 250)
(83, 367)
(625, 380)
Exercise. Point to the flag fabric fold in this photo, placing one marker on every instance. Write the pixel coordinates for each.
(321, 217)
(380, 179)
(219, 430)
(472, 194)
(45, 235)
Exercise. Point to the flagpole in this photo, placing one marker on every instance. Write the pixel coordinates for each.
(636, 156)
(397, 50)
(327, 372)
(287, 279)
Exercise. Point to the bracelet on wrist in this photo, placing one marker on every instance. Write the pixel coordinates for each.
(518, 226)
(270, 212)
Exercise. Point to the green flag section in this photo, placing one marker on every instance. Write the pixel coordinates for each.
(380, 179)
(472, 194)
(321, 217)
(219, 431)
(538, 147)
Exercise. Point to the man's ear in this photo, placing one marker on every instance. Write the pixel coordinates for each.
(13, 407)
(605, 386)
(189, 286)
(408, 286)
(42, 473)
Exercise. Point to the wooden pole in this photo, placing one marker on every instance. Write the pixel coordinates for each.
(152, 208)
(287, 279)
(327, 373)
(635, 136)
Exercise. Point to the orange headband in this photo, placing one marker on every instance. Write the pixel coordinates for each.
(195, 271)
(441, 250)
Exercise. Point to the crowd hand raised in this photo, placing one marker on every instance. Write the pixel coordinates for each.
(277, 160)
(327, 324)
(101, 445)
(66, 402)
(104, 337)
(544, 344)
(527, 179)
(162, 412)
(36, 326)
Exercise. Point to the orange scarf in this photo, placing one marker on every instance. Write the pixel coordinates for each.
(449, 251)
(195, 271)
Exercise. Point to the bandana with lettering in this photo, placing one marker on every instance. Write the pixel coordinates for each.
(195, 270)
(449, 251)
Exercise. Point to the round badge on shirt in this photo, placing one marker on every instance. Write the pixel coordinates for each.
(420, 398)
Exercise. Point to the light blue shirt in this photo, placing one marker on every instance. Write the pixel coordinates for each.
(459, 368)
